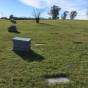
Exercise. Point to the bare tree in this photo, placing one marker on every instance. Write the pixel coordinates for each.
(64, 15)
(73, 14)
(37, 13)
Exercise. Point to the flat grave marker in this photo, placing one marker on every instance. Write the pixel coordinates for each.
(57, 80)
(40, 44)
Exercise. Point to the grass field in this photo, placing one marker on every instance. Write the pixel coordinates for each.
(65, 53)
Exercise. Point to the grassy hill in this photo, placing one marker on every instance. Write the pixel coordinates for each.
(65, 53)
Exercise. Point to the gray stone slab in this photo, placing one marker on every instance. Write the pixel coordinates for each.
(12, 29)
(41, 44)
(13, 21)
(21, 49)
(57, 80)
(22, 39)
(21, 44)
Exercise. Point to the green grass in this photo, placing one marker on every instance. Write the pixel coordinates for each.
(66, 53)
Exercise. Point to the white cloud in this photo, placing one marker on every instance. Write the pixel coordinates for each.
(82, 14)
(34, 3)
(45, 15)
(65, 5)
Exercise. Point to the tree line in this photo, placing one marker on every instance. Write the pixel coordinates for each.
(54, 13)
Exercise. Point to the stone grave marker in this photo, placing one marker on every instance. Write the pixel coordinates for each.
(13, 21)
(12, 29)
(40, 44)
(57, 80)
(21, 44)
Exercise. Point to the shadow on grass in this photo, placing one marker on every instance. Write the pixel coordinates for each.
(77, 42)
(54, 33)
(56, 76)
(16, 32)
(47, 24)
(30, 56)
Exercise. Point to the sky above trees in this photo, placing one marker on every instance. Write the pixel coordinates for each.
(24, 8)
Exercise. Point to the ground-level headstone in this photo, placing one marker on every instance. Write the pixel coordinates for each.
(57, 80)
(40, 44)
(21, 44)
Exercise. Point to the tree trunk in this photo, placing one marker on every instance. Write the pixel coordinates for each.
(37, 20)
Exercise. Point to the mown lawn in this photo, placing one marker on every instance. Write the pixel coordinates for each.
(65, 53)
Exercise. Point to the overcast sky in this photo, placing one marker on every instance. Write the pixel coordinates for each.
(24, 8)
